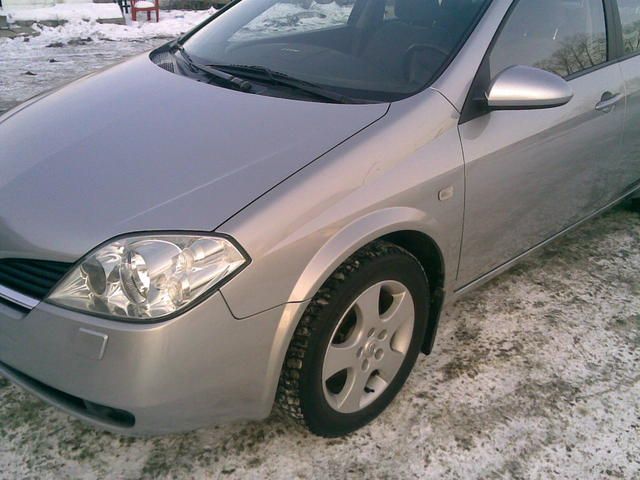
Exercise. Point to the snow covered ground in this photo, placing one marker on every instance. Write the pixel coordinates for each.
(533, 376)
(63, 53)
(65, 12)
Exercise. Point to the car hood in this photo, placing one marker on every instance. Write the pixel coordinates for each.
(136, 148)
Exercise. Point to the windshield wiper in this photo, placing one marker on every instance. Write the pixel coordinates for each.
(265, 74)
(230, 80)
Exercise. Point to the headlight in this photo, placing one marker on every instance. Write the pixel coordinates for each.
(147, 277)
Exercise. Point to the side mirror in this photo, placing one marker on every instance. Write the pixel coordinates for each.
(526, 88)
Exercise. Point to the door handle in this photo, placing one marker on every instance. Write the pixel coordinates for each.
(608, 102)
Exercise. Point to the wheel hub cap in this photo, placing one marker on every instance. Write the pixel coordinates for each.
(370, 349)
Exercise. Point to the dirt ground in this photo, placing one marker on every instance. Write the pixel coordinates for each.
(535, 375)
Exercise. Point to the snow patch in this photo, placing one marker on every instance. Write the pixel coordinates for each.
(66, 11)
(172, 23)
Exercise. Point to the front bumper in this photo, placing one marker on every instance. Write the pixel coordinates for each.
(201, 368)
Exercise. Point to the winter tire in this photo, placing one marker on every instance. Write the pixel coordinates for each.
(357, 341)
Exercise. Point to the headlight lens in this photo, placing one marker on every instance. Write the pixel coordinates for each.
(143, 278)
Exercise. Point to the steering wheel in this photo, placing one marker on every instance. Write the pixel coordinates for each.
(413, 50)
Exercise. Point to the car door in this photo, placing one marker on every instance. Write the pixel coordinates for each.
(532, 173)
(627, 173)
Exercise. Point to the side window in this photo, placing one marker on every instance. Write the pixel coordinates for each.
(630, 16)
(562, 36)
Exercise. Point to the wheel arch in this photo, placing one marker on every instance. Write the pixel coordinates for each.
(409, 228)
(428, 253)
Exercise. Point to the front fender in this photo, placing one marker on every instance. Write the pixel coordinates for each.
(353, 237)
(332, 254)
(385, 179)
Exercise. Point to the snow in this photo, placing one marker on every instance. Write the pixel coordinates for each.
(144, 4)
(73, 12)
(59, 54)
(172, 23)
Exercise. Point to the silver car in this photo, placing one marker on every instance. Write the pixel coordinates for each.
(276, 207)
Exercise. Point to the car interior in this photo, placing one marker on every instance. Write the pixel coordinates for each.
(385, 45)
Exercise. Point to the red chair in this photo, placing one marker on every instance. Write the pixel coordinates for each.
(145, 6)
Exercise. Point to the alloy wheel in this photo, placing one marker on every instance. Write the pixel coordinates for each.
(368, 346)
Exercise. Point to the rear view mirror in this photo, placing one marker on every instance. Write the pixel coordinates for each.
(524, 88)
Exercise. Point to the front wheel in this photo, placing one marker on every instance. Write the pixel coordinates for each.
(357, 341)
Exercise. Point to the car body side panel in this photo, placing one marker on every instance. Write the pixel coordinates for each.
(627, 168)
(531, 174)
(385, 179)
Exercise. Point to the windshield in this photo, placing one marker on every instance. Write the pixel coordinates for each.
(371, 50)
